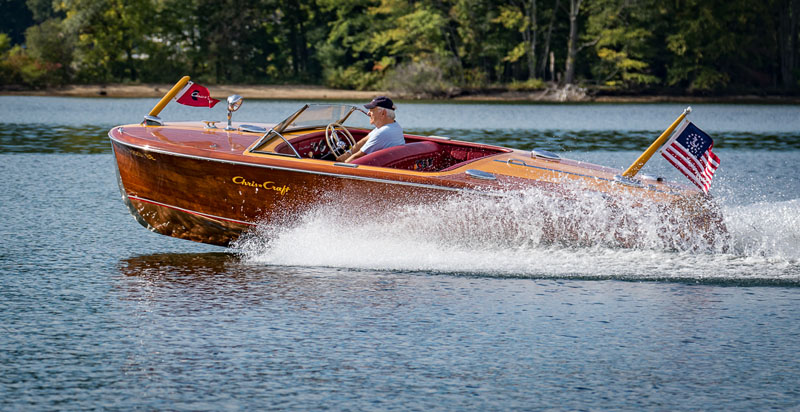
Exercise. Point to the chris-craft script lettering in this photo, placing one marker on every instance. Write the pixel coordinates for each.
(269, 185)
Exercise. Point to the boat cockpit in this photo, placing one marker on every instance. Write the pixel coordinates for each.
(325, 131)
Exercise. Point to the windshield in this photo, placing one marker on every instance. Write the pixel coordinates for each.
(310, 116)
(316, 115)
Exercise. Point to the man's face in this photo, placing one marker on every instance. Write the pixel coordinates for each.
(376, 115)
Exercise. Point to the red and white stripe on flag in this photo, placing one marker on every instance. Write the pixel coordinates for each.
(689, 150)
(196, 95)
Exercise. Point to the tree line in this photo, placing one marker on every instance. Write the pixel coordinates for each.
(427, 47)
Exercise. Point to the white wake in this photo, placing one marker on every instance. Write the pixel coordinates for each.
(536, 235)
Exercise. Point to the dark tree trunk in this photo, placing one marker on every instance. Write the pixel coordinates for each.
(787, 43)
(572, 46)
(533, 28)
(543, 65)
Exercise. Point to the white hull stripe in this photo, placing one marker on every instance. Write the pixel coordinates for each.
(193, 212)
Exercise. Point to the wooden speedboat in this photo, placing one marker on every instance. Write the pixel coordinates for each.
(207, 183)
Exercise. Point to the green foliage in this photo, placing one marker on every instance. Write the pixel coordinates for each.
(513, 19)
(620, 30)
(417, 47)
(344, 54)
(713, 44)
(351, 78)
(42, 10)
(15, 19)
(386, 38)
(431, 77)
(5, 43)
(109, 33)
(489, 42)
(415, 34)
(53, 46)
(19, 68)
(528, 85)
(6, 72)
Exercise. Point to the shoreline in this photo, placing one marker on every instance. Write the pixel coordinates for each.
(310, 92)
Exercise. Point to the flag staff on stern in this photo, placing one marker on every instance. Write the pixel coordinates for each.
(644, 157)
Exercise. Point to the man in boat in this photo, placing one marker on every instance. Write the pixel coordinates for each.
(387, 132)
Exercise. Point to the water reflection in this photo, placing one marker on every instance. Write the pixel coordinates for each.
(177, 267)
(194, 281)
(41, 138)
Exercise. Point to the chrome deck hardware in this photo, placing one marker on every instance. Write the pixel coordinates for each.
(480, 174)
(628, 181)
(252, 128)
(234, 102)
(152, 121)
(544, 154)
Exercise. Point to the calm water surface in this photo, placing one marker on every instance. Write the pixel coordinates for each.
(99, 313)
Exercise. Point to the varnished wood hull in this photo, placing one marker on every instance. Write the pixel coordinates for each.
(202, 186)
(210, 201)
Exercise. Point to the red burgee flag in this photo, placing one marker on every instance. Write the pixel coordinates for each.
(689, 150)
(196, 95)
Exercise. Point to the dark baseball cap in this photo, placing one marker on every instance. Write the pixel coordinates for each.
(380, 101)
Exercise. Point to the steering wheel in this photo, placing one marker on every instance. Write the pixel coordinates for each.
(337, 145)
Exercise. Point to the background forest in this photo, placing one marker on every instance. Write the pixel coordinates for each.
(426, 47)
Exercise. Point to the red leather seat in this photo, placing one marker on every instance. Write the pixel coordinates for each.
(424, 156)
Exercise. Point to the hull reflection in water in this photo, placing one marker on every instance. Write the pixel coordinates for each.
(194, 281)
(177, 266)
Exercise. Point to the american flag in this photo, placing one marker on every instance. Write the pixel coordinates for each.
(689, 150)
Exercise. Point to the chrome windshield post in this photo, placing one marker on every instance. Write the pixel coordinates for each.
(269, 136)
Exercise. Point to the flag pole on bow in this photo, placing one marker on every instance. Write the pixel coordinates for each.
(644, 157)
(170, 94)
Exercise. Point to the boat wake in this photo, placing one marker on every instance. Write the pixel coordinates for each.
(536, 235)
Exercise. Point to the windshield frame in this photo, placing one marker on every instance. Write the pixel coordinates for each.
(291, 124)
(339, 114)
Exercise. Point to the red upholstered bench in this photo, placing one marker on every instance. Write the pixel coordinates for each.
(422, 156)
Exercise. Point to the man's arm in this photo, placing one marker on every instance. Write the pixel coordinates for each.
(354, 153)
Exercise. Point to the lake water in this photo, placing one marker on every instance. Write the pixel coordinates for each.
(99, 313)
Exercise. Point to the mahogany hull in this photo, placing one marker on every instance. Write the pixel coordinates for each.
(210, 201)
(207, 186)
